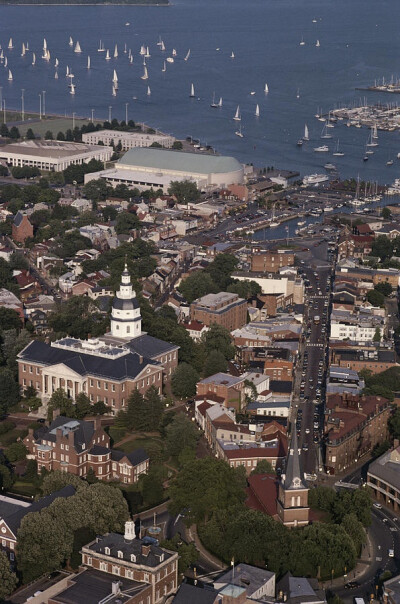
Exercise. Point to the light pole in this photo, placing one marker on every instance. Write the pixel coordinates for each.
(5, 115)
(22, 104)
(44, 103)
(73, 121)
(109, 113)
(126, 113)
(92, 116)
(40, 105)
(1, 96)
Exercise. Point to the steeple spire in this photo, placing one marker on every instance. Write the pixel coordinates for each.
(294, 478)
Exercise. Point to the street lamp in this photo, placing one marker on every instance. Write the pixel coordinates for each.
(5, 115)
(44, 103)
(22, 104)
(40, 106)
(126, 113)
(109, 113)
(73, 121)
(92, 115)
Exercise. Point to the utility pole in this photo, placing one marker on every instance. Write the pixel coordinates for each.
(22, 104)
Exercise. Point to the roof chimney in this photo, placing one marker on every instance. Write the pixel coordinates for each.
(145, 550)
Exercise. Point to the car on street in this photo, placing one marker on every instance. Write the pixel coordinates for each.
(378, 506)
(391, 553)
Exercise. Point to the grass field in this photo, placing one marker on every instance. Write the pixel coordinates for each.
(152, 445)
(20, 487)
(55, 125)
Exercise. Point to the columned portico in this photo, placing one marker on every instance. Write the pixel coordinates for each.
(60, 376)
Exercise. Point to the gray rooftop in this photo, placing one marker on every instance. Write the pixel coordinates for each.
(116, 542)
(294, 478)
(387, 468)
(180, 161)
(247, 576)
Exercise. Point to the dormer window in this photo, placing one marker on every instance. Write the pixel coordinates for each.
(107, 551)
(133, 558)
(120, 554)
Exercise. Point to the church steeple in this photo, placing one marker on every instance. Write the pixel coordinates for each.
(294, 477)
(126, 321)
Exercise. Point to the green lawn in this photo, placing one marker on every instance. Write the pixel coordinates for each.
(152, 445)
(55, 125)
(21, 487)
(12, 436)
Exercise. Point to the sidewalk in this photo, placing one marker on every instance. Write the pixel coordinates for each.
(212, 560)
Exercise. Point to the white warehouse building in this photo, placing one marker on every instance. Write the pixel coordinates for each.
(146, 168)
(52, 155)
(128, 140)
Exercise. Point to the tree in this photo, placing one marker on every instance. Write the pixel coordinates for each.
(215, 363)
(134, 412)
(185, 191)
(126, 221)
(61, 136)
(394, 423)
(204, 487)
(184, 380)
(181, 434)
(49, 135)
(9, 318)
(177, 145)
(97, 190)
(59, 400)
(6, 478)
(219, 338)
(153, 407)
(263, 467)
(16, 452)
(245, 289)
(221, 268)
(377, 335)
(355, 530)
(30, 135)
(151, 486)
(188, 553)
(14, 133)
(57, 480)
(197, 285)
(4, 130)
(384, 288)
(9, 389)
(8, 579)
(104, 508)
(375, 298)
(83, 406)
(382, 247)
(386, 213)
(109, 213)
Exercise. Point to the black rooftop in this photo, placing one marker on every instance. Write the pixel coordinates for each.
(135, 457)
(129, 304)
(150, 347)
(117, 543)
(195, 594)
(18, 218)
(127, 366)
(82, 430)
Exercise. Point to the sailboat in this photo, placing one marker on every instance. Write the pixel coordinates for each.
(27, 46)
(306, 136)
(88, 63)
(372, 140)
(23, 50)
(220, 102)
(72, 91)
(374, 131)
(114, 91)
(56, 63)
(273, 222)
(239, 132)
(33, 58)
(125, 49)
(116, 52)
(162, 47)
(142, 50)
(257, 111)
(170, 59)
(214, 105)
(302, 43)
(71, 42)
(164, 69)
(173, 52)
(5, 62)
(108, 55)
(101, 47)
(325, 133)
(67, 72)
(131, 59)
(56, 75)
(145, 75)
(10, 44)
(237, 117)
(115, 80)
(46, 55)
(77, 48)
(187, 55)
(10, 76)
(298, 93)
(159, 43)
(147, 55)
(192, 95)
(337, 152)
(266, 89)
(232, 55)
(317, 44)
(148, 91)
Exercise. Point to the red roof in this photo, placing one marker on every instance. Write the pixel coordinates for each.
(24, 279)
(203, 408)
(262, 493)
(194, 325)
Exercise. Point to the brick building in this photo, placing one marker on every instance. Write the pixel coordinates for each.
(77, 446)
(353, 426)
(106, 369)
(224, 309)
(384, 477)
(357, 358)
(292, 505)
(270, 261)
(21, 228)
(229, 388)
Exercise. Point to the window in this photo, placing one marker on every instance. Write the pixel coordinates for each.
(62, 446)
(120, 554)
(103, 566)
(105, 385)
(100, 470)
(116, 570)
(91, 382)
(133, 558)
(30, 369)
(129, 574)
(107, 551)
(113, 387)
(98, 384)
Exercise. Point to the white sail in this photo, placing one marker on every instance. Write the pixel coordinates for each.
(145, 75)
(164, 67)
(56, 75)
(187, 55)
(159, 43)
(148, 91)
(142, 50)
(317, 44)
(108, 55)
(257, 112)
(173, 52)
(10, 44)
(232, 55)
(306, 136)
(56, 63)
(33, 58)
(27, 46)
(114, 91)
(77, 48)
(237, 114)
(131, 59)
(67, 71)
(71, 42)
(125, 49)
(10, 76)
(101, 47)
(162, 47)
(266, 89)
(147, 55)
(47, 58)
(23, 50)
(5, 62)
(115, 78)
(72, 91)
(220, 102)
(192, 91)
(44, 44)
(116, 51)
(88, 63)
